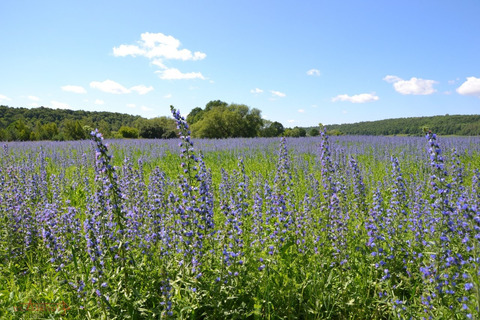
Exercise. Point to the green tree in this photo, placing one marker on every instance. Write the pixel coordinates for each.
(313, 132)
(227, 121)
(215, 103)
(73, 130)
(274, 129)
(295, 132)
(156, 128)
(18, 130)
(195, 115)
(128, 132)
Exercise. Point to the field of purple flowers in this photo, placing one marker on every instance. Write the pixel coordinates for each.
(300, 228)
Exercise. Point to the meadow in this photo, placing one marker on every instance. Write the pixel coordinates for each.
(348, 227)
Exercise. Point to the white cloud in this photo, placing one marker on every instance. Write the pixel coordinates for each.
(291, 121)
(313, 72)
(4, 98)
(301, 110)
(159, 63)
(33, 98)
(175, 74)
(99, 102)
(167, 96)
(141, 89)
(414, 86)
(470, 87)
(131, 105)
(158, 47)
(358, 98)
(59, 105)
(74, 89)
(143, 108)
(109, 86)
(128, 50)
(278, 93)
(391, 79)
(256, 91)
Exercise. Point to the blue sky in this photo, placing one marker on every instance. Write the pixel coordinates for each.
(299, 62)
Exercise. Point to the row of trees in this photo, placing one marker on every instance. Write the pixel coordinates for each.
(21, 124)
(466, 125)
(217, 120)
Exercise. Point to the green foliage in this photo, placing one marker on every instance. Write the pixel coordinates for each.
(128, 132)
(220, 120)
(195, 115)
(465, 125)
(313, 132)
(295, 132)
(18, 130)
(57, 124)
(273, 129)
(156, 128)
(73, 130)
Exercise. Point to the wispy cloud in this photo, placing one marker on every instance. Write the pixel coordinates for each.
(4, 98)
(144, 108)
(111, 86)
(175, 74)
(256, 91)
(167, 96)
(470, 87)
(131, 105)
(59, 105)
(278, 93)
(415, 86)
(158, 47)
(141, 89)
(33, 98)
(313, 72)
(74, 89)
(99, 102)
(358, 98)
(301, 110)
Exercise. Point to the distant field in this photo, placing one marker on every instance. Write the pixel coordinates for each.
(346, 227)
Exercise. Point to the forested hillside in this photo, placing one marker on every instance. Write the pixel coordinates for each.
(467, 125)
(22, 124)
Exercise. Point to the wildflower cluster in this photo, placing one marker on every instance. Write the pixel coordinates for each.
(321, 227)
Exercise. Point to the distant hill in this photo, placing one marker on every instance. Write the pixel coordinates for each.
(58, 124)
(463, 125)
(44, 115)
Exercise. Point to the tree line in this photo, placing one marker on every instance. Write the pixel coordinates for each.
(23, 124)
(462, 125)
(217, 120)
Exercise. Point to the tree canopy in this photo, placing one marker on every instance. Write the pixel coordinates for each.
(22, 124)
(467, 125)
(222, 120)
